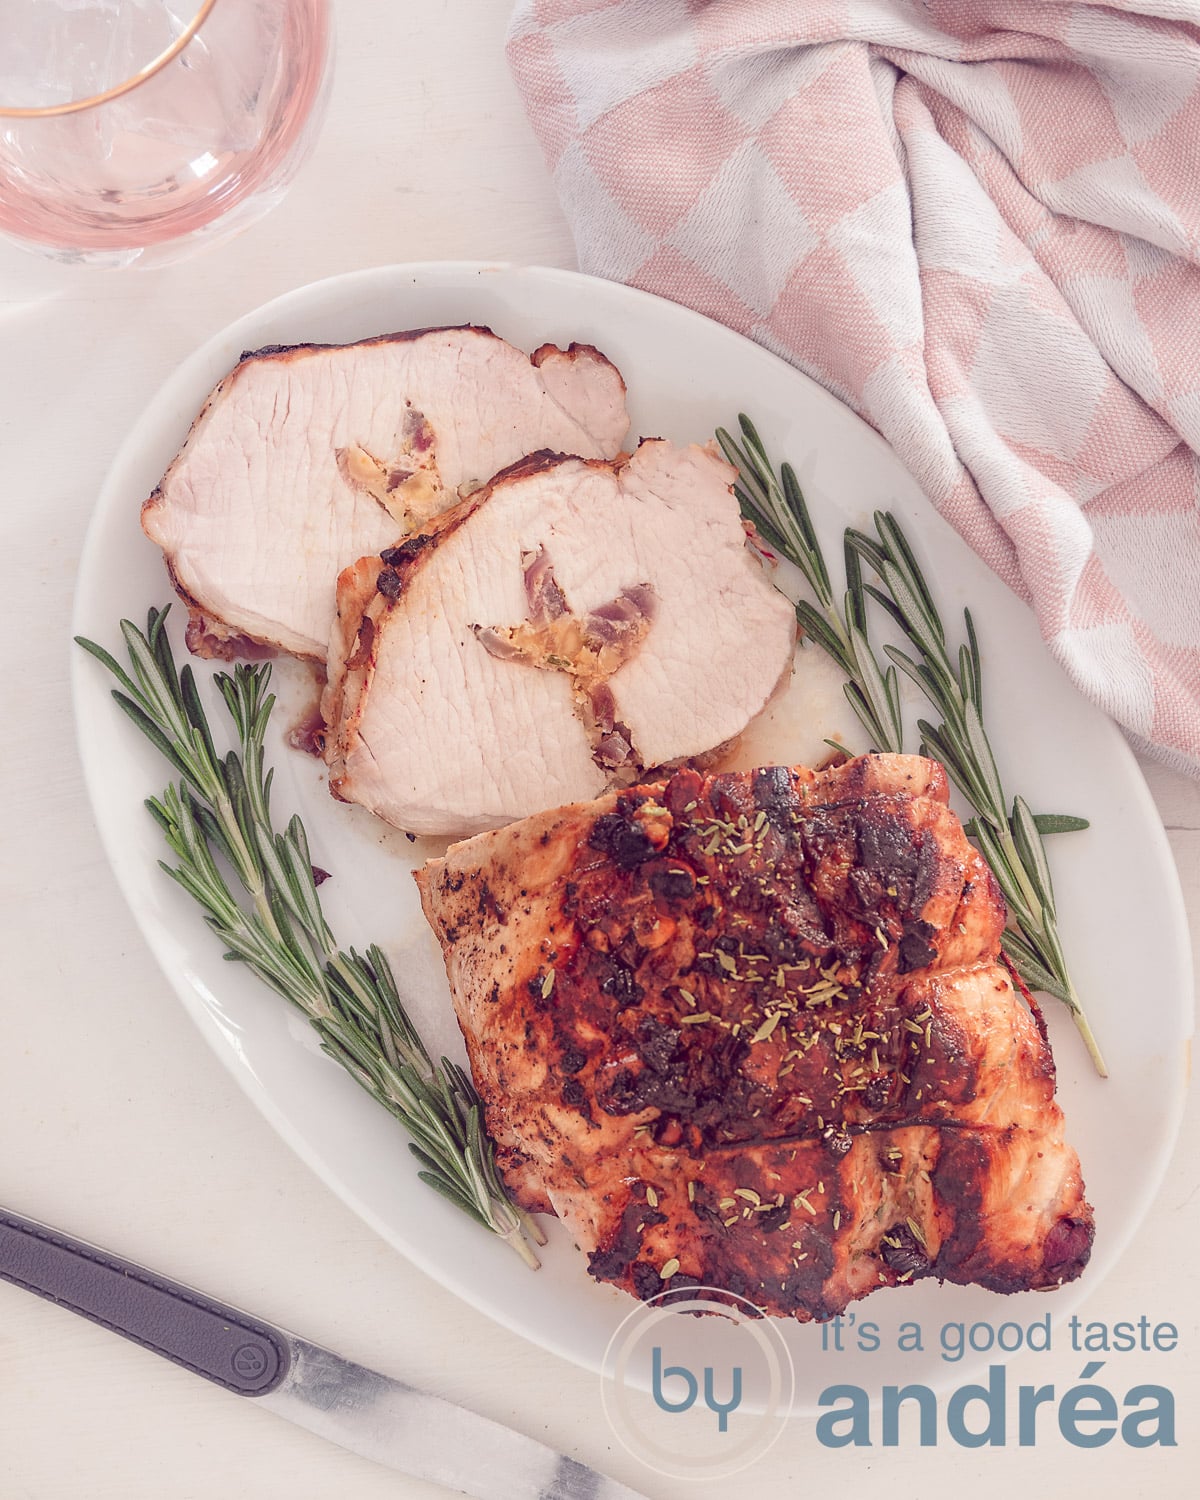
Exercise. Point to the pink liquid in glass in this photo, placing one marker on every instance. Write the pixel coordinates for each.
(188, 156)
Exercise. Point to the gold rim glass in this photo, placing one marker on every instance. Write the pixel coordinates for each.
(131, 129)
(155, 65)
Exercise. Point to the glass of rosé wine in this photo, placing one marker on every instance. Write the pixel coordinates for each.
(134, 132)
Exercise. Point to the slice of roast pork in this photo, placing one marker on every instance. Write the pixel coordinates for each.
(569, 626)
(304, 459)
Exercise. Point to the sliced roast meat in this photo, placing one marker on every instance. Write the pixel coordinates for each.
(572, 623)
(305, 459)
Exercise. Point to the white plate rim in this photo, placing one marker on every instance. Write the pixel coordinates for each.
(241, 333)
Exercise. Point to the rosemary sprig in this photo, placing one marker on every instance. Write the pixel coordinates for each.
(219, 814)
(780, 515)
(1008, 834)
(1010, 841)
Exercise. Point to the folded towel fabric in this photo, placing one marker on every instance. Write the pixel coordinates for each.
(975, 221)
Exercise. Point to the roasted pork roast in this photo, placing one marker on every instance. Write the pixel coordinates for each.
(573, 623)
(752, 1030)
(305, 459)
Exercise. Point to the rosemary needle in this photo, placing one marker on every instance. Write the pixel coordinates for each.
(1009, 835)
(779, 512)
(217, 817)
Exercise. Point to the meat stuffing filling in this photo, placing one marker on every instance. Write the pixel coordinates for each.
(589, 649)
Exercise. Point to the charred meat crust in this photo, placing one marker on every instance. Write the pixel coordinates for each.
(211, 638)
(410, 335)
(360, 610)
(540, 462)
(573, 351)
(772, 999)
(404, 336)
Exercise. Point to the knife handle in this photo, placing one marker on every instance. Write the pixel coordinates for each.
(207, 1337)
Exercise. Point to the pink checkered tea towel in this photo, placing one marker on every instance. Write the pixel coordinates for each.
(978, 223)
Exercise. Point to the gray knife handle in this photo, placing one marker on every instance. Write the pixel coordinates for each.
(210, 1339)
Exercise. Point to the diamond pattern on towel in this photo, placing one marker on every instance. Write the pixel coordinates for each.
(977, 222)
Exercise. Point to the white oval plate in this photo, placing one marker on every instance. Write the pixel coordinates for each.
(1121, 911)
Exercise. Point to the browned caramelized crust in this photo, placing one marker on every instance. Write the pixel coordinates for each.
(751, 1031)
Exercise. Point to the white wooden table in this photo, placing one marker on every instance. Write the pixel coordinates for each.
(115, 1122)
